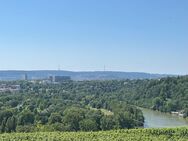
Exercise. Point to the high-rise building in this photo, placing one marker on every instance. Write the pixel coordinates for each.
(25, 77)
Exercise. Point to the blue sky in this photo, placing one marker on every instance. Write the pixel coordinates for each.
(124, 35)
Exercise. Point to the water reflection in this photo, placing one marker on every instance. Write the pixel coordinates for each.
(155, 119)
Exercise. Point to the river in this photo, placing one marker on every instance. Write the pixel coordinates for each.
(155, 119)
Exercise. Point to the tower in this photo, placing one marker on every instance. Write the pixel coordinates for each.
(25, 77)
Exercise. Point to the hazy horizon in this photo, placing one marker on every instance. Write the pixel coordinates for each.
(93, 71)
(127, 36)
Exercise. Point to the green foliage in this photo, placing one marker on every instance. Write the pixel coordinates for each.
(166, 94)
(157, 103)
(70, 106)
(72, 118)
(88, 125)
(25, 128)
(55, 118)
(179, 134)
(91, 106)
(108, 123)
(10, 124)
(26, 118)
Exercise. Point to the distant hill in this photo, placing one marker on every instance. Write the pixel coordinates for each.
(95, 75)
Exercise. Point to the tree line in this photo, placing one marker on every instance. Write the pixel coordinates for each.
(81, 105)
(69, 106)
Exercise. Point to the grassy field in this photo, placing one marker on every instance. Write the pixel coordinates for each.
(177, 134)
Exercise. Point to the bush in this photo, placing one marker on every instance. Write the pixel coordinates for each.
(25, 129)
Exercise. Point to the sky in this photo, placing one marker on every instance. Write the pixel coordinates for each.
(86, 35)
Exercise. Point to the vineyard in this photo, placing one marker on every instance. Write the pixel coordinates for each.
(177, 134)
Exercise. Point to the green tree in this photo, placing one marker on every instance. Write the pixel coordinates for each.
(157, 103)
(3, 125)
(88, 125)
(11, 125)
(54, 118)
(72, 117)
(26, 118)
(124, 120)
(108, 123)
